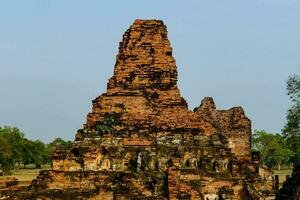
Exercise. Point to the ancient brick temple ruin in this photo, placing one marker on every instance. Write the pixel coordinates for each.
(141, 141)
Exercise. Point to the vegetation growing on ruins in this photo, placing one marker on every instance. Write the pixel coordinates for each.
(107, 125)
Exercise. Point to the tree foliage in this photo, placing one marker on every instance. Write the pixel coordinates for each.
(14, 138)
(15, 149)
(291, 130)
(5, 154)
(273, 148)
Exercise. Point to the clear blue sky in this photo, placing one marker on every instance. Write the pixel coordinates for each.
(56, 56)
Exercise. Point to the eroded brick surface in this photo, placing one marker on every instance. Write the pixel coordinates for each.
(140, 141)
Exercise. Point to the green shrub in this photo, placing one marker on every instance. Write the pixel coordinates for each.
(107, 125)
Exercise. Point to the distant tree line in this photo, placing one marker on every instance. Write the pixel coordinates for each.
(283, 149)
(17, 151)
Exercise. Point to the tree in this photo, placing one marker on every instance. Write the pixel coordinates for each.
(34, 152)
(273, 149)
(28, 154)
(39, 153)
(5, 154)
(291, 130)
(15, 139)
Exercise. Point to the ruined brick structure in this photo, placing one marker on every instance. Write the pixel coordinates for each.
(141, 141)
